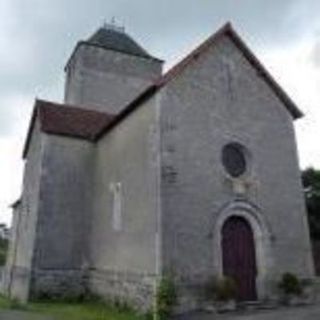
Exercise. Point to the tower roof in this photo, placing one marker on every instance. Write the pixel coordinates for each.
(115, 38)
(111, 37)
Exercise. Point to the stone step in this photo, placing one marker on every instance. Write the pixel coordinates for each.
(258, 305)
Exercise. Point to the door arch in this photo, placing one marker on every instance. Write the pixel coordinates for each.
(238, 256)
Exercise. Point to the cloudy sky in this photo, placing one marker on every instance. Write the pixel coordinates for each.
(37, 36)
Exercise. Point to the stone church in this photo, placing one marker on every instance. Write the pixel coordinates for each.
(191, 173)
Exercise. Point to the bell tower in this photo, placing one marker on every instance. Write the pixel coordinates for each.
(108, 70)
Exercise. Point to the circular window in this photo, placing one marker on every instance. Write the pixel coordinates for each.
(234, 159)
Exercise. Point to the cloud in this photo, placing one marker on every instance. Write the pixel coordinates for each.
(15, 109)
(315, 55)
(36, 37)
(293, 67)
(16, 50)
(10, 172)
(15, 113)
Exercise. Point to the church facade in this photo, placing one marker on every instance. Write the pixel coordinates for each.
(138, 174)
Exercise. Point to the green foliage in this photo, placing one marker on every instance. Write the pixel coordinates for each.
(116, 304)
(122, 306)
(166, 298)
(290, 284)
(87, 310)
(4, 303)
(148, 315)
(311, 184)
(15, 304)
(221, 289)
(45, 297)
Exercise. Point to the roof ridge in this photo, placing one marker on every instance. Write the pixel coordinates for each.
(226, 29)
(171, 73)
(42, 103)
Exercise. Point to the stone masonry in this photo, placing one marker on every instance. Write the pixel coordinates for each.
(126, 182)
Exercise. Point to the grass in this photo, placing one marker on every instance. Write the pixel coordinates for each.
(72, 310)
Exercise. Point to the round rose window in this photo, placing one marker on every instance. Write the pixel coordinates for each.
(234, 159)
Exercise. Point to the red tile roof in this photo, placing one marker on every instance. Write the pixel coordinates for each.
(72, 121)
(61, 119)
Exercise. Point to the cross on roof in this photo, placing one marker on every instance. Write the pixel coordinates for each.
(112, 25)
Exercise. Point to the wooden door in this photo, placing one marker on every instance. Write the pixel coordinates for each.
(239, 260)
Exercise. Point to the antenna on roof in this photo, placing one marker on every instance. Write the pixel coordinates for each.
(112, 25)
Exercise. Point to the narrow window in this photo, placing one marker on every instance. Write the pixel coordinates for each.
(117, 213)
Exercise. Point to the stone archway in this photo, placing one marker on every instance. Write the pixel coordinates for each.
(261, 236)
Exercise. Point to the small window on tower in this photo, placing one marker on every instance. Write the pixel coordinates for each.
(115, 189)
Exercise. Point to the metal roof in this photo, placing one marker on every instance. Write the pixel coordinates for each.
(117, 40)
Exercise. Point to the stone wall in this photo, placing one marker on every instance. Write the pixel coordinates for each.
(75, 238)
(18, 283)
(60, 284)
(107, 80)
(128, 156)
(21, 247)
(218, 99)
(133, 288)
(64, 208)
(64, 203)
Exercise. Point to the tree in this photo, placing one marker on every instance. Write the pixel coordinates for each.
(311, 185)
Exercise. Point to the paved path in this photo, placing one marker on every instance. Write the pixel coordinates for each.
(20, 315)
(294, 313)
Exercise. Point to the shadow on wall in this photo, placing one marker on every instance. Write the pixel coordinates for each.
(1, 276)
(3, 251)
(316, 255)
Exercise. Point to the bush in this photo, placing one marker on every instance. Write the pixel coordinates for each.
(222, 289)
(290, 284)
(148, 315)
(15, 304)
(122, 306)
(166, 298)
(117, 304)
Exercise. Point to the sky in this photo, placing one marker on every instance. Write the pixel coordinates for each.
(37, 37)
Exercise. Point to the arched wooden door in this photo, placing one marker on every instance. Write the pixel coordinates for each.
(239, 259)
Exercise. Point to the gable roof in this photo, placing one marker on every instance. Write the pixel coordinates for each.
(92, 125)
(226, 30)
(66, 120)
